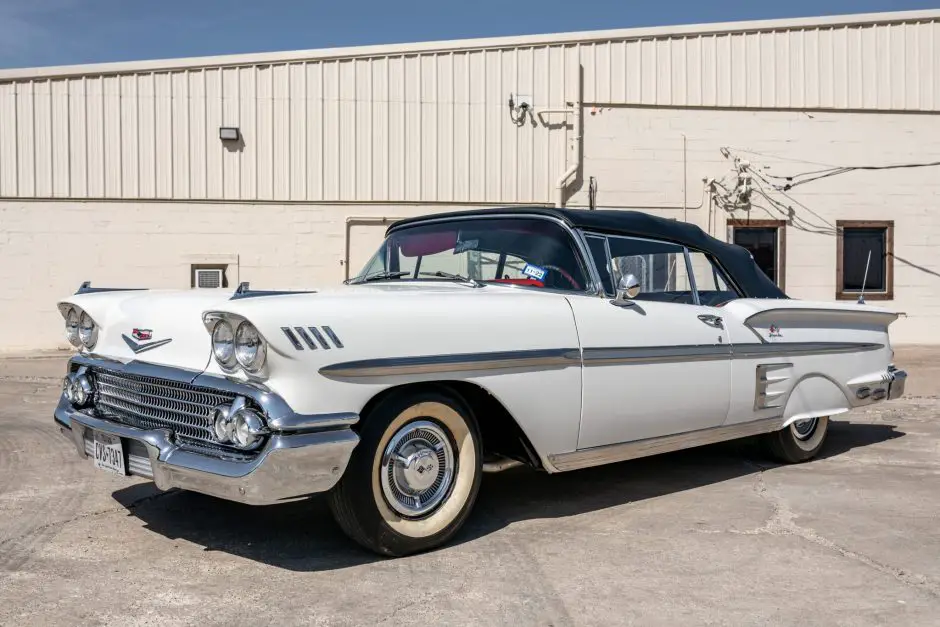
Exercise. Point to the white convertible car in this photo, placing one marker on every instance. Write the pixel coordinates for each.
(471, 342)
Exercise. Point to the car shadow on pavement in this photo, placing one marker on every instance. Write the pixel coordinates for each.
(302, 536)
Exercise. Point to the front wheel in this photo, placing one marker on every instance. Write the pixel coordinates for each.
(413, 478)
(798, 442)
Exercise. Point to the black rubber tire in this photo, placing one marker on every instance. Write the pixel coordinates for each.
(787, 448)
(355, 502)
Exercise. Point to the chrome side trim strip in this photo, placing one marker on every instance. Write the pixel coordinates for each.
(592, 356)
(744, 351)
(596, 456)
(655, 354)
(541, 358)
(313, 422)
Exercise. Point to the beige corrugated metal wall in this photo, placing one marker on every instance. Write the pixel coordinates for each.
(424, 127)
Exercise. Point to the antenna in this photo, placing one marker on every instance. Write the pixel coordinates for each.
(861, 296)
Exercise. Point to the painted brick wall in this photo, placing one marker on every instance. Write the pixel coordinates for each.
(636, 155)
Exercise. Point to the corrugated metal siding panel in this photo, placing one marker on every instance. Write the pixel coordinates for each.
(427, 127)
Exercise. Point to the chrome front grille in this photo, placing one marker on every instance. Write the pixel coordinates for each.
(152, 403)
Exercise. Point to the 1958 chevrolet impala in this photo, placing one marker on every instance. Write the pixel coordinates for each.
(470, 342)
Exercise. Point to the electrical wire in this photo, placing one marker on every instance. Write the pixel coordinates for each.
(815, 175)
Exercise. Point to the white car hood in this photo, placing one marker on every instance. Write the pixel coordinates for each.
(156, 326)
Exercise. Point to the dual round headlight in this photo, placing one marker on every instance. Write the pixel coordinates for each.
(80, 329)
(243, 346)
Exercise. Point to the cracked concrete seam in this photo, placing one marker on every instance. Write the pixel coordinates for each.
(781, 523)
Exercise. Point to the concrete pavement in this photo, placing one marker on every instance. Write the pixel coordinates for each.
(716, 535)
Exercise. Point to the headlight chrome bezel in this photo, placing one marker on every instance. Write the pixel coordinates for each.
(253, 365)
(71, 327)
(87, 331)
(248, 338)
(229, 362)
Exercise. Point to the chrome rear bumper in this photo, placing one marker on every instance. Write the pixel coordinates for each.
(290, 466)
(898, 378)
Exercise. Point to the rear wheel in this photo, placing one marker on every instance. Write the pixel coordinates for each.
(798, 442)
(414, 476)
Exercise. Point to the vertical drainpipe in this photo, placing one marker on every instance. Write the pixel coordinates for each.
(558, 191)
(572, 170)
(685, 181)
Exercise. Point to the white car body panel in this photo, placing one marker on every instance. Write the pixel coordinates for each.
(627, 397)
(561, 408)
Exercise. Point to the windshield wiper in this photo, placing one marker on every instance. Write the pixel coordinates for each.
(378, 276)
(452, 277)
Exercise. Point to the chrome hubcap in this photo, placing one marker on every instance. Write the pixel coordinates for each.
(802, 429)
(417, 468)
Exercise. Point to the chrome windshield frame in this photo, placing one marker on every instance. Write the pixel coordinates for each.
(594, 287)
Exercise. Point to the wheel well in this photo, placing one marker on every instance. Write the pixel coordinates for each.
(500, 432)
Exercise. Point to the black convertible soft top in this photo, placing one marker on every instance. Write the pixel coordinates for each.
(735, 260)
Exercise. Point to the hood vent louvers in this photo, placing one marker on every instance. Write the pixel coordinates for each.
(313, 337)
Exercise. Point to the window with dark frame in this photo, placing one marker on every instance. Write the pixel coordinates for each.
(766, 240)
(865, 259)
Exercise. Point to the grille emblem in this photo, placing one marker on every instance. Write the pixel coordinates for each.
(142, 334)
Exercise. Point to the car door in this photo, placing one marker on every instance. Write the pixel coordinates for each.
(659, 364)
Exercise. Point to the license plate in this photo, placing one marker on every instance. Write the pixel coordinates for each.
(109, 453)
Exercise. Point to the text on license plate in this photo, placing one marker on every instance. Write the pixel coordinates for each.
(109, 453)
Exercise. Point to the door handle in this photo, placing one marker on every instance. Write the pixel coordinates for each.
(712, 321)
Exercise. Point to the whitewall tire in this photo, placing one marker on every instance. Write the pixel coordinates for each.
(800, 441)
(414, 476)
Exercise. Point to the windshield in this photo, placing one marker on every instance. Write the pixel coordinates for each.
(521, 251)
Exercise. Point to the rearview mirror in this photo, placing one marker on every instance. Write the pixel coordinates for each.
(628, 288)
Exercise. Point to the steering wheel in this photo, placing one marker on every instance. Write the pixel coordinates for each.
(565, 274)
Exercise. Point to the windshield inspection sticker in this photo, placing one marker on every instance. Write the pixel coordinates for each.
(464, 246)
(534, 272)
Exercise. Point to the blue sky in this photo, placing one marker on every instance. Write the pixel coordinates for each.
(59, 32)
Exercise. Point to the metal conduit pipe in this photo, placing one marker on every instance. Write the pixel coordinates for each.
(574, 109)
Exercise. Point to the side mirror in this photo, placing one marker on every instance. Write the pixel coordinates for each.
(627, 289)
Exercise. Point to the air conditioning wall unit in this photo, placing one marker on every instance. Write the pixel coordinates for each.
(208, 278)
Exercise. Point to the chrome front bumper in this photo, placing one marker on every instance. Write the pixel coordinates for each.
(307, 457)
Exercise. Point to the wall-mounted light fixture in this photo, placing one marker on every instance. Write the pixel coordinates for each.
(229, 133)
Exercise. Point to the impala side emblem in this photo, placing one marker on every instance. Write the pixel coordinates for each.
(143, 334)
(313, 337)
(774, 331)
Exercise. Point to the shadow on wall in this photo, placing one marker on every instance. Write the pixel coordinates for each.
(303, 537)
(234, 145)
